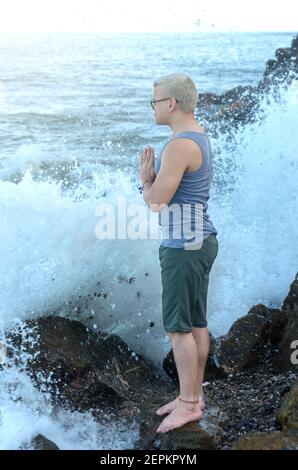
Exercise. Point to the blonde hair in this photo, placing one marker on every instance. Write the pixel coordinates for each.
(181, 87)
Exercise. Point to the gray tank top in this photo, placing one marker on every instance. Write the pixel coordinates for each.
(185, 220)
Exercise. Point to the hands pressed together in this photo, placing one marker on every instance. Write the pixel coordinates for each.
(147, 159)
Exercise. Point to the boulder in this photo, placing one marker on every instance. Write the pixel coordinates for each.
(205, 434)
(294, 44)
(78, 365)
(40, 442)
(287, 355)
(248, 338)
(288, 412)
(275, 440)
(225, 112)
(291, 301)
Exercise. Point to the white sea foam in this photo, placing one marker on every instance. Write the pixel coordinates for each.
(51, 259)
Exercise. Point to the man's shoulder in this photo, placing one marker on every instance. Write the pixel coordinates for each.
(182, 149)
(176, 144)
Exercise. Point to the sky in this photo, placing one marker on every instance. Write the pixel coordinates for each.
(147, 16)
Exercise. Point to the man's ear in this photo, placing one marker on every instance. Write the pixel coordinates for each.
(171, 103)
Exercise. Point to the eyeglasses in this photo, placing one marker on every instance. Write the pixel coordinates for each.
(152, 102)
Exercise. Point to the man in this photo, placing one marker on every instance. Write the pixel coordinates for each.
(180, 178)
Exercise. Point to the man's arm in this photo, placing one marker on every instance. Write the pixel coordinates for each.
(175, 160)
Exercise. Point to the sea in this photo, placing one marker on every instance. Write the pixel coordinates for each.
(75, 116)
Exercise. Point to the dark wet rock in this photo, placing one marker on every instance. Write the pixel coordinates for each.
(100, 372)
(275, 440)
(169, 366)
(291, 301)
(248, 338)
(287, 355)
(75, 364)
(241, 104)
(40, 442)
(205, 434)
(288, 413)
(212, 371)
(250, 398)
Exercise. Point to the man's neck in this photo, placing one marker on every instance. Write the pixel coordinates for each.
(183, 126)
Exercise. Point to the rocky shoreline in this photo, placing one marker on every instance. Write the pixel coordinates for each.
(251, 399)
(251, 380)
(251, 384)
(241, 105)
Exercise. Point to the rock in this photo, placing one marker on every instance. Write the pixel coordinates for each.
(294, 44)
(291, 300)
(77, 365)
(211, 370)
(275, 440)
(247, 339)
(271, 66)
(40, 442)
(240, 105)
(236, 94)
(169, 366)
(203, 435)
(288, 412)
(209, 98)
(283, 54)
(286, 357)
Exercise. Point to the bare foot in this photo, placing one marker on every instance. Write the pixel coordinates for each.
(168, 408)
(172, 405)
(181, 415)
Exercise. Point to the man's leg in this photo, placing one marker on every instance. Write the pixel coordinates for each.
(201, 337)
(186, 359)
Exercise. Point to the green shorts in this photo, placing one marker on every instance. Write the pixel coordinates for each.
(185, 278)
